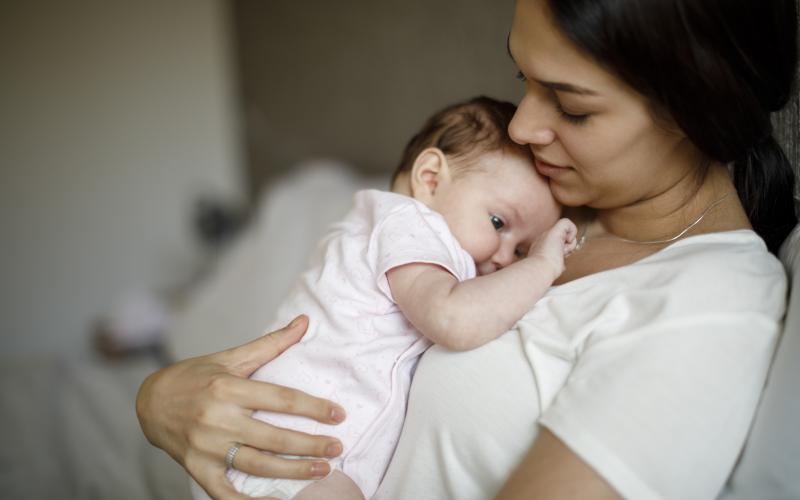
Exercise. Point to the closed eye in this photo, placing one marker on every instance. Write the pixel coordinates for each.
(577, 119)
(574, 118)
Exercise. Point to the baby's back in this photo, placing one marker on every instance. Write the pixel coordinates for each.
(359, 349)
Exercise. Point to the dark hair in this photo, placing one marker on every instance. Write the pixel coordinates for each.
(718, 68)
(463, 131)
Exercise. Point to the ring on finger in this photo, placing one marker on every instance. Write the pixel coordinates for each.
(231, 454)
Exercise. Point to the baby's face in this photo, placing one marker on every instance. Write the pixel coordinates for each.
(496, 212)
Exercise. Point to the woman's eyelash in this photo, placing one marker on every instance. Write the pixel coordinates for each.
(575, 119)
(571, 117)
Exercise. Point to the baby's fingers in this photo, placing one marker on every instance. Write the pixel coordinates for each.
(569, 234)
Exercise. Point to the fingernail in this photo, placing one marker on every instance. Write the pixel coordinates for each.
(296, 321)
(333, 450)
(337, 414)
(319, 470)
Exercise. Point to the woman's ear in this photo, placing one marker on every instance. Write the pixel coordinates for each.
(429, 171)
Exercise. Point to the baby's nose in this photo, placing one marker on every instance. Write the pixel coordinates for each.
(504, 256)
(486, 267)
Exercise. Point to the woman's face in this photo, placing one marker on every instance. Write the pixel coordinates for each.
(594, 137)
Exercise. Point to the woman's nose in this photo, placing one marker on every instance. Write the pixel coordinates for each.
(531, 124)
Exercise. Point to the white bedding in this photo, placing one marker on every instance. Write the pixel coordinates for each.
(69, 431)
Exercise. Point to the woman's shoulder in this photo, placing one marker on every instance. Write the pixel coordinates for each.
(732, 269)
(740, 253)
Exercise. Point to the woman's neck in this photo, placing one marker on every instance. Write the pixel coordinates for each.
(611, 236)
(707, 206)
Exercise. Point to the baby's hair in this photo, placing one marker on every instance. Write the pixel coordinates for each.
(463, 131)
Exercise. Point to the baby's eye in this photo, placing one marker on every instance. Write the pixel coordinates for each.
(497, 222)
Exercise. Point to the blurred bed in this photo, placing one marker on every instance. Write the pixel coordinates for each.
(69, 430)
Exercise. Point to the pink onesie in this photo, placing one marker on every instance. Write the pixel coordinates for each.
(360, 350)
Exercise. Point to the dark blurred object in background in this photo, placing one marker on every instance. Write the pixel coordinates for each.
(138, 320)
(217, 221)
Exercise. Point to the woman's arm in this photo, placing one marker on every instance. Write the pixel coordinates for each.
(195, 410)
(551, 471)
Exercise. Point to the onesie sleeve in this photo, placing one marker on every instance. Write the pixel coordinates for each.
(661, 408)
(412, 233)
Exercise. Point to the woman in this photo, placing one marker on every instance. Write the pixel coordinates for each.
(644, 367)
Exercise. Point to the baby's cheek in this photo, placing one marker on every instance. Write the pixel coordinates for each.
(484, 247)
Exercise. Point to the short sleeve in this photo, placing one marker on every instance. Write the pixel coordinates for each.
(662, 410)
(412, 233)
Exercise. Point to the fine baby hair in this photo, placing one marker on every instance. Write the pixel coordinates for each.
(718, 85)
(463, 132)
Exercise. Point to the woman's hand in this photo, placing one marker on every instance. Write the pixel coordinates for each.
(196, 409)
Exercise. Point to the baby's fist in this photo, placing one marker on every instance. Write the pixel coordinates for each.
(555, 243)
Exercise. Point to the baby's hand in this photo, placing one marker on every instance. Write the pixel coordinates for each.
(554, 244)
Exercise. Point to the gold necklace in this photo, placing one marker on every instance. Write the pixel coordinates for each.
(685, 230)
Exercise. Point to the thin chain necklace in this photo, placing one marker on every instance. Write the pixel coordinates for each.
(685, 230)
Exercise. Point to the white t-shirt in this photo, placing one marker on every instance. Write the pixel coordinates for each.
(651, 373)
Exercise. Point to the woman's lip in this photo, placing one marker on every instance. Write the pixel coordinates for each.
(548, 169)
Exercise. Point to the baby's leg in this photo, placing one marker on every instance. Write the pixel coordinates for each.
(337, 486)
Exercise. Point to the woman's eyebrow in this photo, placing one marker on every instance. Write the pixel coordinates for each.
(559, 86)
(566, 87)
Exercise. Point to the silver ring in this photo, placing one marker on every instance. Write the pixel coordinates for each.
(232, 451)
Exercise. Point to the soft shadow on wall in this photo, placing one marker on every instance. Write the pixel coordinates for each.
(115, 117)
(118, 116)
(353, 79)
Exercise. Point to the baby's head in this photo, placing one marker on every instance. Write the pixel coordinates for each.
(464, 165)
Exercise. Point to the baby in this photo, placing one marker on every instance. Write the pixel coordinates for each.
(464, 245)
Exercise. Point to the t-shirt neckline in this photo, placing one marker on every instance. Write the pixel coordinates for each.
(680, 243)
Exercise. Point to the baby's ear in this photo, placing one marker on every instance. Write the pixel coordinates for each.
(430, 169)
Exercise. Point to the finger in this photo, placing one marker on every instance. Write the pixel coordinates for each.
(572, 231)
(254, 395)
(264, 436)
(567, 226)
(247, 358)
(570, 245)
(252, 461)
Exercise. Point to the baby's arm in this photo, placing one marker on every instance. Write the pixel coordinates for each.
(464, 315)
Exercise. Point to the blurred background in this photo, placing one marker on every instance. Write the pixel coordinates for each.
(165, 168)
(119, 120)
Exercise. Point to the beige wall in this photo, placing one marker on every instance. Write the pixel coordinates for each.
(353, 79)
(114, 116)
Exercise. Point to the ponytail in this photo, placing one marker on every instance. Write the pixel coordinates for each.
(765, 180)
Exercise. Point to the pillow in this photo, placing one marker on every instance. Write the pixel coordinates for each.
(769, 467)
(238, 300)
